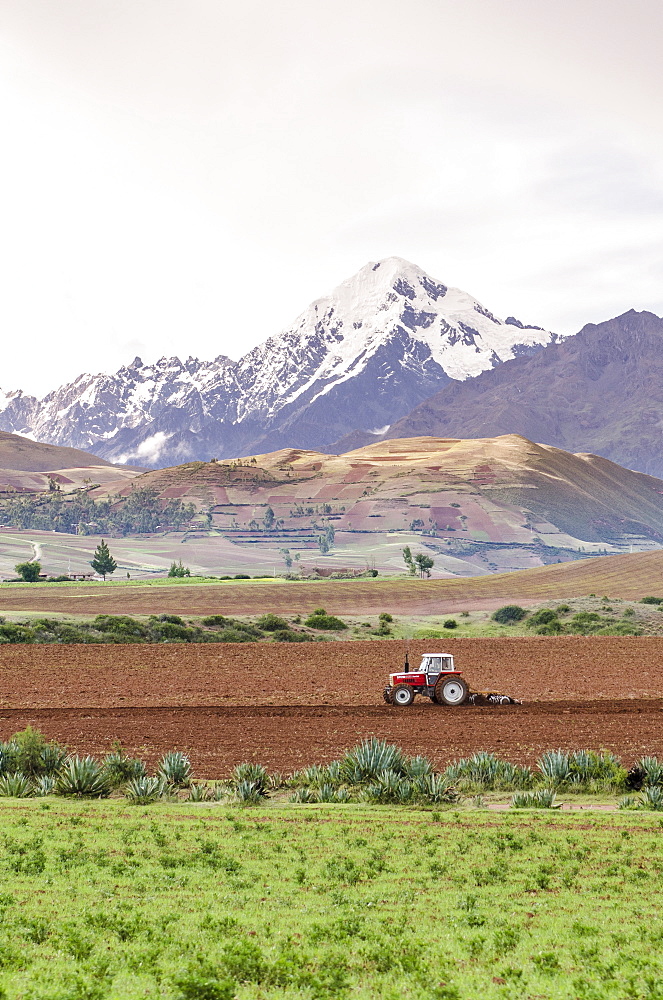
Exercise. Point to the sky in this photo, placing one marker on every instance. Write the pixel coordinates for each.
(182, 177)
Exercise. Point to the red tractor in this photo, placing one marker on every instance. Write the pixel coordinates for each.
(436, 678)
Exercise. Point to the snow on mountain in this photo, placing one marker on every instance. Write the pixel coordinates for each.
(360, 358)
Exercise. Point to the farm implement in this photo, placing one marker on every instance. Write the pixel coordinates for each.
(438, 680)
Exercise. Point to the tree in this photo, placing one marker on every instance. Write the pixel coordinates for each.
(178, 569)
(425, 564)
(508, 614)
(28, 571)
(103, 561)
(409, 561)
(268, 519)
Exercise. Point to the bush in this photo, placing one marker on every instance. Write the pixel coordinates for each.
(199, 986)
(321, 620)
(233, 635)
(385, 617)
(15, 633)
(287, 635)
(651, 600)
(120, 768)
(509, 614)
(123, 626)
(553, 627)
(271, 623)
(543, 617)
(216, 621)
(450, 623)
(30, 753)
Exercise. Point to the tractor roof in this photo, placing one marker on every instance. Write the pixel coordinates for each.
(437, 654)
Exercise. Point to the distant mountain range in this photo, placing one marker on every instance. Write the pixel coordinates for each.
(362, 357)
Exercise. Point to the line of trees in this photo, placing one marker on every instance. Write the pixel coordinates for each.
(140, 512)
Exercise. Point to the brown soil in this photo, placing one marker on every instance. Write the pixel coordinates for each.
(289, 705)
(316, 673)
(287, 738)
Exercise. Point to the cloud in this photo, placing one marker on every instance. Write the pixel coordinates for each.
(148, 451)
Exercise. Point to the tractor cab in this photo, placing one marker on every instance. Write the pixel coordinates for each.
(434, 664)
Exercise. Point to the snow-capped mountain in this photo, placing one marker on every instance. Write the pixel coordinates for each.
(360, 358)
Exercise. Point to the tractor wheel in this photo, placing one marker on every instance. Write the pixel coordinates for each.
(386, 694)
(402, 695)
(451, 691)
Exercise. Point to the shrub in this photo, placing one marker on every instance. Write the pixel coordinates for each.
(450, 623)
(242, 576)
(83, 777)
(287, 635)
(385, 617)
(651, 600)
(141, 791)
(30, 753)
(16, 633)
(271, 623)
(175, 769)
(120, 768)
(563, 609)
(588, 767)
(123, 626)
(508, 614)
(234, 635)
(216, 621)
(321, 620)
(199, 986)
(553, 627)
(542, 617)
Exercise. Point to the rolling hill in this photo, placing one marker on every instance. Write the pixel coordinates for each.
(478, 506)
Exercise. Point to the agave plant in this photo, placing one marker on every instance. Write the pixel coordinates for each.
(249, 793)
(438, 788)
(333, 773)
(218, 791)
(252, 773)
(175, 769)
(417, 767)
(630, 802)
(327, 793)
(342, 795)
(142, 790)
(555, 765)
(652, 798)
(83, 777)
(482, 770)
(121, 768)
(44, 785)
(7, 758)
(652, 769)
(17, 785)
(544, 798)
(52, 757)
(369, 760)
(198, 793)
(304, 795)
(588, 767)
(314, 776)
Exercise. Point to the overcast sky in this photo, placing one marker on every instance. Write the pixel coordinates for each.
(185, 176)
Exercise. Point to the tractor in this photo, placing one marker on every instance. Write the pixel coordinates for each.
(436, 678)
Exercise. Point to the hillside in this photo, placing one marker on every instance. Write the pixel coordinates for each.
(24, 455)
(599, 391)
(362, 356)
(478, 506)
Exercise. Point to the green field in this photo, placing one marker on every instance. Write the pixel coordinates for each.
(104, 900)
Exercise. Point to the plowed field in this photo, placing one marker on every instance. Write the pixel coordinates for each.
(627, 576)
(289, 705)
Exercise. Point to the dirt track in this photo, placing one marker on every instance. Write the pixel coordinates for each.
(290, 705)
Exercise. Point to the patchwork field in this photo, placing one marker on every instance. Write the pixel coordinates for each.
(289, 705)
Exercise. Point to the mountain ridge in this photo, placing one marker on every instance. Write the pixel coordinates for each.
(599, 391)
(383, 341)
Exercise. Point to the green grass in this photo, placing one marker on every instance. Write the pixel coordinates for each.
(102, 900)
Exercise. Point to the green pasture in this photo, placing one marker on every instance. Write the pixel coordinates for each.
(206, 902)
